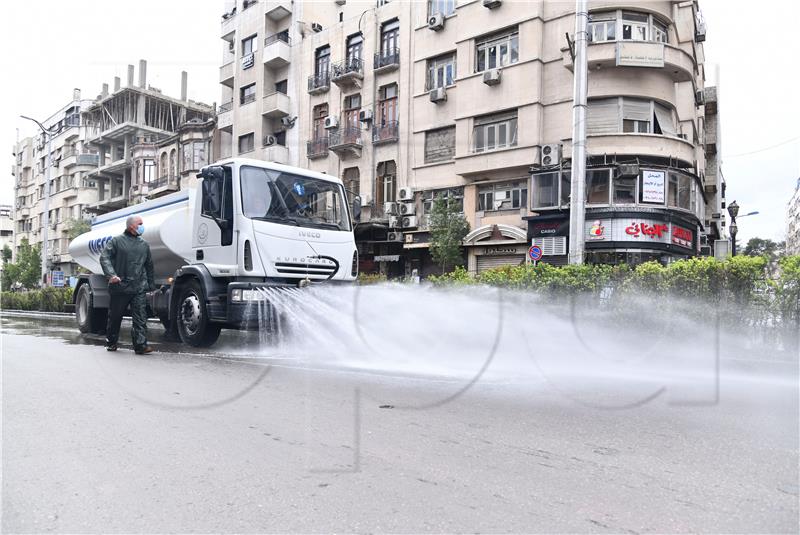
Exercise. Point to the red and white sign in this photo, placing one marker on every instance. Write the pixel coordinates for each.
(682, 236)
(639, 230)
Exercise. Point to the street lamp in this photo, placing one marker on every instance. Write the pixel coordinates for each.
(46, 215)
(734, 230)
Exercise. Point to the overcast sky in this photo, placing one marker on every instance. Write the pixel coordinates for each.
(52, 46)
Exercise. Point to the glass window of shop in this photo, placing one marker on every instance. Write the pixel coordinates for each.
(598, 188)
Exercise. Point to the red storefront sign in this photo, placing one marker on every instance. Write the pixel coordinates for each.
(656, 230)
(682, 236)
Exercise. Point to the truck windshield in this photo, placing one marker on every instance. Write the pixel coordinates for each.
(293, 199)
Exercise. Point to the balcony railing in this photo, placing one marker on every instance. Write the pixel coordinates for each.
(347, 70)
(247, 99)
(317, 148)
(387, 60)
(227, 106)
(388, 133)
(345, 141)
(280, 36)
(319, 83)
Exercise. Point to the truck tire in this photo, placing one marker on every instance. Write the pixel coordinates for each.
(194, 326)
(88, 318)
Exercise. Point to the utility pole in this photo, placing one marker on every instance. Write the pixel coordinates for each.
(577, 215)
(46, 213)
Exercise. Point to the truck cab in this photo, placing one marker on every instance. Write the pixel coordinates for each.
(248, 229)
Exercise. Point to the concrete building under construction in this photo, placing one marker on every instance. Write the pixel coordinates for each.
(148, 143)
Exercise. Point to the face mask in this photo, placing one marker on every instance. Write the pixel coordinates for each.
(140, 229)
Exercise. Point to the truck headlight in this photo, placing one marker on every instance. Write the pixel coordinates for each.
(239, 295)
(236, 295)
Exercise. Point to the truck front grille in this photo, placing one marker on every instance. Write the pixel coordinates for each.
(304, 270)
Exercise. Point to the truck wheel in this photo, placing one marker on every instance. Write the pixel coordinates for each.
(89, 319)
(193, 323)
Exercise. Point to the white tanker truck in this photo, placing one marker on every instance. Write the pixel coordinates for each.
(249, 225)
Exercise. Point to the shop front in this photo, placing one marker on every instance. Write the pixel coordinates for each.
(494, 246)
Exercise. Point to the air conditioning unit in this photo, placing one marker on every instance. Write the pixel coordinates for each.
(699, 97)
(365, 116)
(405, 194)
(269, 140)
(551, 154)
(331, 122)
(390, 208)
(491, 4)
(438, 94)
(316, 27)
(407, 208)
(436, 22)
(409, 221)
(394, 222)
(628, 170)
(491, 77)
(395, 236)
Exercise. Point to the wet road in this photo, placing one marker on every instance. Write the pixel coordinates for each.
(221, 441)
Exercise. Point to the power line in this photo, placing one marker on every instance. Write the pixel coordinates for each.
(764, 149)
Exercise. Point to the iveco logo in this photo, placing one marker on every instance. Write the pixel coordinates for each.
(96, 246)
(305, 234)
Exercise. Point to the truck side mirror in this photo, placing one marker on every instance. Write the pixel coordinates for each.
(356, 208)
(214, 172)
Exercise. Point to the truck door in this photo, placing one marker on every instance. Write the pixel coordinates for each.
(212, 240)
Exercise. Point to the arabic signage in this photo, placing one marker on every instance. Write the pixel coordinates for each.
(503, 250)
(387, 258)
(639, 230)
(640, 54)
(653, 183)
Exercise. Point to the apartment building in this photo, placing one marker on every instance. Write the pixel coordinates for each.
(472, 100)
(793, 223)
(71, 188)
(6, 228)
(148, 144)
(715, 222)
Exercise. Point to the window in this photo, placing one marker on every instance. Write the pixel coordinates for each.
(322, 62)
(247, 94)
(598, 186)
(164, 171)
(352, 182)
(352, 105)
(441, 72)
(320, 113)
(659, 31)
(497, 51)
(495, 131)
(635, 26)
(387, 105)
(386, 190)
(545, 190)
(453, 196)
(248, 45)
(246, 143)
(194, 155)
(445, 7)
(440, 144)
(602, 27)
(503, 196)
(631, 115)
(149, 173)
(282, 87)
(390, 38)
(625, 190)
(355, 45)
(636, 116)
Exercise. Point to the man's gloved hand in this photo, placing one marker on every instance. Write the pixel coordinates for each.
(114, 280)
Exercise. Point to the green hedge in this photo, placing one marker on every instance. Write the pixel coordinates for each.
(46, 300)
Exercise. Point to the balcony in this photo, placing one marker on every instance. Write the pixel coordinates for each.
(319, 83)
(275, 154)
(388, 133)
(653, 145)
(278, 10)
(276, 105)
(226, 73)
(348, 73)
(277, 51)
(345, 142)
(225, 116)
(637, 54)
(317, 148)
(162, 186)
(228, 24)
(387, 61)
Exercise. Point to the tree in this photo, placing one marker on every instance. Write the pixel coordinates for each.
(448, 227)
(76, 227)
(27, 270)
(764, 247)
(7, 254)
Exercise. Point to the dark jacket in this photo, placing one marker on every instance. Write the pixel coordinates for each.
(128, 257)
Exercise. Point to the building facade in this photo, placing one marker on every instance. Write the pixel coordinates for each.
(472, 100)
(793, 223)
(6, 229)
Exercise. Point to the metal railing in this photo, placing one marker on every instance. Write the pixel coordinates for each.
(350, 66)
(386, 58)
(319, 81)
(227, 106)
(280, 36)
(317, 147)
(161, 181)
(386, 133)
(349, 135)
(247, 99)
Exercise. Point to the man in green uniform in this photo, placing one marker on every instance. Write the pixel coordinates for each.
(127, 263)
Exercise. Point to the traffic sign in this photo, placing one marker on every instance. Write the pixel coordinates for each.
(535, 253)
(57, 279)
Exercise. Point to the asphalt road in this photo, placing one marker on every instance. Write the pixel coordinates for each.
(219, 441)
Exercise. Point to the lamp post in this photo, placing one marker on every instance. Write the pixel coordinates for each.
(46, 214)
(733, 210)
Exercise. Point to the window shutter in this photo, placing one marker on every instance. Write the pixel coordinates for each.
(552, 245)
(637, 110)
(664, 116)
(603, 116)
